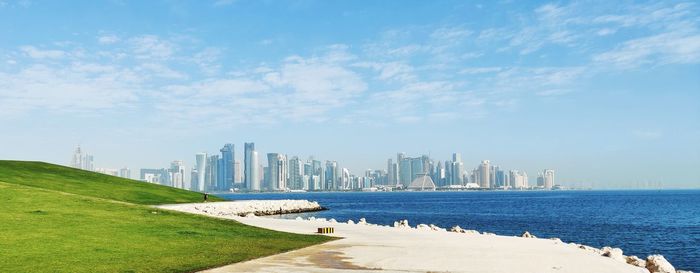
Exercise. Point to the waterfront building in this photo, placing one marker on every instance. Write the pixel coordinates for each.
(485, 176)
(177, 174)
(201, 163)
(296, 174)
(155, 176)
(226, 171)
(125, 173)
(540, 180)
(548, 179)
(331, 175)
(276, 172)
(251, 171)
(212, 173)
(423, 182)
(237, 172)
(392, 172)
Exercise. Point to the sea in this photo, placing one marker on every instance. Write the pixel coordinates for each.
(640, 222)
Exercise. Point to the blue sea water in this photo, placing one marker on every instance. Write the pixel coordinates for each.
(641, 222)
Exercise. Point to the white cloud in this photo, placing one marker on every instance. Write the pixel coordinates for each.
(479, 70)
(43, 88)
(108, 39)
(36, 53)
(152, 47)
(666, 48)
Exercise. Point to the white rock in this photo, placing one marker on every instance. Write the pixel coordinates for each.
(659, 264)
(362, 221)
(423, 227)
(471, 231)
(591, 249)
(350, 222)
(556, 240)
(298, 218)
(456, 229)
(396, 224)
(527, 234)
(489, 233)
(636, 261)
(614, 253)
(250, 215)
(332, 221)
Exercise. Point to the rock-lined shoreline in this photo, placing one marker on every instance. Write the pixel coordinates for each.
(653, 264)
(366, 243)
(248, 207)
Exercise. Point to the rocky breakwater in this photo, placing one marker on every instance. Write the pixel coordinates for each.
(248, 207)
(652, 264)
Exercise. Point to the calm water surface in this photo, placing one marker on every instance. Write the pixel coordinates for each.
(639, 222)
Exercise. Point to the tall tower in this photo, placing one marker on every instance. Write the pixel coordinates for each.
(77, 161)
(548, 179)
(177, 174)
(226, 171)
(485, 174)
(201, 161)
(277, 171)
(251, 173)
(295, 173)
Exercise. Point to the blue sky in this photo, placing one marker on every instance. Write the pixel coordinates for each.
(604, 92)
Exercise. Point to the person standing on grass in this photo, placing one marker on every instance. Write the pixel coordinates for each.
(206, 196)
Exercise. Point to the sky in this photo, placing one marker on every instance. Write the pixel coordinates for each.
(606, 93)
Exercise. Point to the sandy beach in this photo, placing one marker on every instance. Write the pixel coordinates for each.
(366, 247)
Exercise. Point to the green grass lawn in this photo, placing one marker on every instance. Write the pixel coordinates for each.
(48, 224)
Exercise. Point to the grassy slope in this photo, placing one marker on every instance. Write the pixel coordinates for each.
(43, 229)
(60, 178)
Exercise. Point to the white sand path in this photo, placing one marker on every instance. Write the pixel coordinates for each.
(365, 248)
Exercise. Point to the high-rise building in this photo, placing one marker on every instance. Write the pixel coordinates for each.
(201, 163)
(296, 174)
(392, 173)
(331, 175)
(252, 172)
(125, 173)
(77, 161)
(156, 176)
(540, 180)
(485, 177)
(237, 172)
(276, 171)
(548, 179)
(518, 179)
(177, 175)
(227, 168)
(212, 174)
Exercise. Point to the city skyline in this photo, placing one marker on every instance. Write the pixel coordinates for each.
(605, 93)
(316, 174)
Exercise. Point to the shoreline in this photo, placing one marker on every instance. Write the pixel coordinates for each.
(366, 246)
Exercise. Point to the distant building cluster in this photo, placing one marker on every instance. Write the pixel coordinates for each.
(222, 172)
(84, 161)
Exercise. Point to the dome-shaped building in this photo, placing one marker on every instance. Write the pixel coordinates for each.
(423, 182)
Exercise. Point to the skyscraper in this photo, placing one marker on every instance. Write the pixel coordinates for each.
(548, 179)
(125, 173)
(237, 172)
(226, 171)
(212, 173)
(201, 161)
(296, 174)
(177, 174)
(251, 172)
(277, 171)
(485, 176)
(331, 175)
